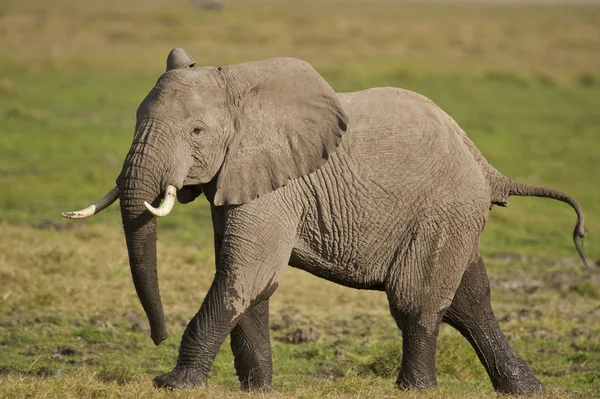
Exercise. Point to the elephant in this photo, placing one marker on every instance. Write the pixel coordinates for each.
(377, 190)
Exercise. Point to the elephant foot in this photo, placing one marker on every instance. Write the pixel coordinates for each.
(521, 382)
(404, 385)
(415, 380)
(255, 380)
(179, 378)
(523, 388)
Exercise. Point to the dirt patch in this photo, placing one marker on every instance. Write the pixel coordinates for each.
(568, 282)
(111, 345)
(330, 369)
(62, 352)
(53, 225)
(281, 322)
(521, 315)
(514, 257)
(517, 282)
(303, 335)
(292, 327)
(7, 371)
(41, 372)
(27, 352)
(140, 324)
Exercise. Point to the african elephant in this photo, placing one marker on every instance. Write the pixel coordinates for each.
(378, 189)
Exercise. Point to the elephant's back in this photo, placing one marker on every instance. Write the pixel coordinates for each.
(400, 139)
(400, 120)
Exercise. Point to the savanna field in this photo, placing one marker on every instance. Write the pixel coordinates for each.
(523, 80)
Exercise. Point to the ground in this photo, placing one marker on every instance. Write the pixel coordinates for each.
(522, 80)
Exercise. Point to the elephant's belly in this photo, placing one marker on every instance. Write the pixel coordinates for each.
(351, 229)
(352, 274)
(353, 250)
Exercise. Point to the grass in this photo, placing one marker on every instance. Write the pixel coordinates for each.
(521, 80)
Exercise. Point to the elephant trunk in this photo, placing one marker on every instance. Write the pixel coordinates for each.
(140, 233)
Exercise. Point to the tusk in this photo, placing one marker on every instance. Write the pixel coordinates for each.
(98, 206)
(167, 203)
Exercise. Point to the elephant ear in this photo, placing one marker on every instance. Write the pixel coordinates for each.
(287, 121)
(178, 58)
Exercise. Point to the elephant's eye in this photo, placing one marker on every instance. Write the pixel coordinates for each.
(197, 130)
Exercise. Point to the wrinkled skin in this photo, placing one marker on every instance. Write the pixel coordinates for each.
(378, 189)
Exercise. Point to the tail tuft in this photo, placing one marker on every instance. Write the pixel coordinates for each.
(578, 241)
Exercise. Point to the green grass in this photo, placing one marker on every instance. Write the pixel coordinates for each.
(522, 81)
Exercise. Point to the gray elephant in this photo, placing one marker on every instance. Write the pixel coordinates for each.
(378, 189)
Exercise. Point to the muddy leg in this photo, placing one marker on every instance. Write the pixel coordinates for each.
(417, 370)
(471, 314)
(251, 348)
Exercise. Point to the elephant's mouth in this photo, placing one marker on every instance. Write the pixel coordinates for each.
(188, 193)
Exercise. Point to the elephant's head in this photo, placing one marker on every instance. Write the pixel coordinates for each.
(235, 133)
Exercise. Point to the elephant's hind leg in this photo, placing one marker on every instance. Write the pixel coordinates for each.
(471, 314)
(251, 348)
(419, 288)
(417, 369)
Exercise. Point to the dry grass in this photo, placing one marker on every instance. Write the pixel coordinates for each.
(126, 37)
(86, 384)
(81, 276)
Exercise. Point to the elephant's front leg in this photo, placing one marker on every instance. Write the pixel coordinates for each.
(251, 262)
(203, 337)
(250, 341)
(251, 346)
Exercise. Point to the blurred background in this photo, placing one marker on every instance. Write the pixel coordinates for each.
(522, 78)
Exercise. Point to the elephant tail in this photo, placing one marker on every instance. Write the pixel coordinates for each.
(528, 190)
(503, 187)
